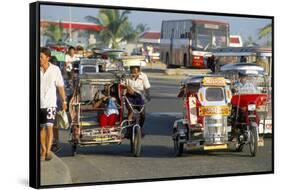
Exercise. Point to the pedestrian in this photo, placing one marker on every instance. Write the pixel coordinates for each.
(50, 81)
(70, 58)
(243, 59)
(211, 63)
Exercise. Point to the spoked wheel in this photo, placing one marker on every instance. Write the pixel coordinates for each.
(253, 141)
(136, 142)
(178, 147)
(239, 148)
(74, 149)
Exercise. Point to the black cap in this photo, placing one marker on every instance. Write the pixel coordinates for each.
(242, 74)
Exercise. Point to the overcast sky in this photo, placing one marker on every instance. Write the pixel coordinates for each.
(242, 26)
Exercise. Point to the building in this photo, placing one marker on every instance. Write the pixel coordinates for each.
(75, 32)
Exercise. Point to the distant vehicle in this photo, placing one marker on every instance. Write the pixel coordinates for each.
(259, 55)
(152, 57)
(189, 42)
(136, 51)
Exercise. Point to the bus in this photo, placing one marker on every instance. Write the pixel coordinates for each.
(188, 43)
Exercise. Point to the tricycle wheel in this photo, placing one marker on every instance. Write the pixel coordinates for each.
(136, 142)
(131, 145)
(178, 147)
(239, 148)
(253, 141)
(74, 149)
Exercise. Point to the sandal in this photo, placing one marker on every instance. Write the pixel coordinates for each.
(49, 157)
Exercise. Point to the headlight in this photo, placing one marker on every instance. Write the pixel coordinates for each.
(252, 107)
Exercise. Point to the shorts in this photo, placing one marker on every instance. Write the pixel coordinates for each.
(135, 99)
(108, 120)
(47, 117)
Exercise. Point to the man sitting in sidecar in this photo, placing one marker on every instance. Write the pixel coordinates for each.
(244, 85)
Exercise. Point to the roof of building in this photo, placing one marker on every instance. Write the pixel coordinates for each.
(150, 35)
(73, 25)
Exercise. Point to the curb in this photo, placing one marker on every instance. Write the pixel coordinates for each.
(54, 172)
(179, 71)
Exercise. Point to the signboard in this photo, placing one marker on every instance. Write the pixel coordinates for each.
(214, 81)
(211, 26)
(214, 110)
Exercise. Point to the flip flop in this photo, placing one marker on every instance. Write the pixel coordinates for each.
(49, 157)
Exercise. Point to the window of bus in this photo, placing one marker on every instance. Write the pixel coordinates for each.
(210, 38)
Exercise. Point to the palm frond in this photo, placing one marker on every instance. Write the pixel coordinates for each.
(264, 31)
(93, 19)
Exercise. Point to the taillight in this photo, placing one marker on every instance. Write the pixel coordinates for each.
(198, 61)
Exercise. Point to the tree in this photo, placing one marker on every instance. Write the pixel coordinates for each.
(54, 31)
(117, 27)
(265, 31)
(142, 28)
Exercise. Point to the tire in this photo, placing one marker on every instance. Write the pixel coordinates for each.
(253, 141)
(131, 145)
(167, 61)
(178, 147)
(136, 144)
(74, 149)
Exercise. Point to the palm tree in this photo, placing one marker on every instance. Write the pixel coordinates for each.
(142, 28)
(116, 26)
(265, 31)
(55, 32)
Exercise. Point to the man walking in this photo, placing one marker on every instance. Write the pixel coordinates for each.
(50, 81)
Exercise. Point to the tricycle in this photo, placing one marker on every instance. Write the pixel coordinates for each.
(249, 104)
(206, 107)
(92, 123)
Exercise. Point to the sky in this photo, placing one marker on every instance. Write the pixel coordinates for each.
(242, 26)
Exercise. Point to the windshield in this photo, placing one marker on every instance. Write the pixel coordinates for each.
(247, 85)
(210, 39)
(89, 69)
(214, 94)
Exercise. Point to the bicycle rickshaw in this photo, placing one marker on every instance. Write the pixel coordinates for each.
(206, 100)
(249, 104)
(85, 127)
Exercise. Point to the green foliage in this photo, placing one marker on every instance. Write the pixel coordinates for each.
(54, 31)
(264, 31)
(117, 27)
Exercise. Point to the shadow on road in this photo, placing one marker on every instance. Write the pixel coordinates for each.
(123, 150)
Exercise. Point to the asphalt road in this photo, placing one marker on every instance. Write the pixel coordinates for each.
(115, 162)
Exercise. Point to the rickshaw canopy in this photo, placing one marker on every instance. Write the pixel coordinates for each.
(208, 80)
(244, 68)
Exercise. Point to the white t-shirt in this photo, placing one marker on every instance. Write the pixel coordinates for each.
(140, 84)
(49, 81)
(70, 59)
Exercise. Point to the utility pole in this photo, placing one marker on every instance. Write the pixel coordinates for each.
(70, 35)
